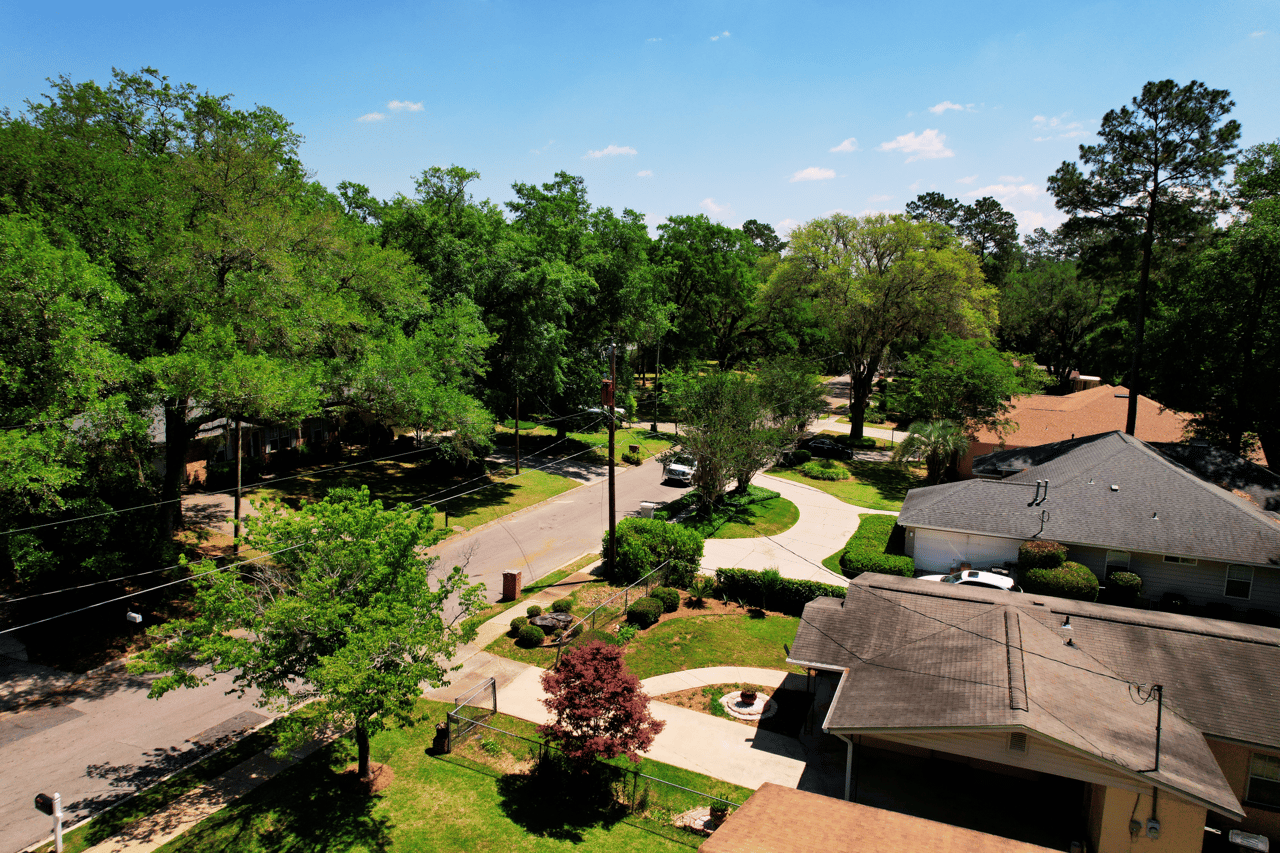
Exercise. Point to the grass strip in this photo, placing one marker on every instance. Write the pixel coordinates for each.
(545, 582)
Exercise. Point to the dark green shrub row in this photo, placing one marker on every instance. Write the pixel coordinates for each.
(789, 596)
(530, 636)
(561, 605)
(1123, 589)
(873, 416)
(1070, 580)
(824, 470)
(866, 549)
(1041, 554)
(646, 543)
(865, 441)
(797, 457)
(644, 612)
(632, 458)
(669, 597)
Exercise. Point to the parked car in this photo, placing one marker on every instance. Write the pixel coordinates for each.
(976, 577)
(827, 448)
(681, 467)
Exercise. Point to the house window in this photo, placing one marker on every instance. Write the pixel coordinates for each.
(1181, 561)
(1239, 581)
(1264, 780)
(1117, 561)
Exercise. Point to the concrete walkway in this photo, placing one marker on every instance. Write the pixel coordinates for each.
(825, 525)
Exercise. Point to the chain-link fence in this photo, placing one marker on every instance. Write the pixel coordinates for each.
(470, 710)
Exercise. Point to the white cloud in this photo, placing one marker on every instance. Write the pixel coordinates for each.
(644, 173)
(785, 227)
(849, 145)
(652, 40)
(1259, 34)
(611, 151)
(939, 109)
(408, 106)
(876, 199)
(929, 145)
(967, 180)
(550, 142)
(1004, 192)
(723, 35)
(371, 117)
(1030, 220)
(1010, 179)
(813, 173)
(1058, 127)
(915, 185)
(710, 206)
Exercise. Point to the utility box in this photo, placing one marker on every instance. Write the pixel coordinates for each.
(634, 448)
(647, 508)
(510, 586)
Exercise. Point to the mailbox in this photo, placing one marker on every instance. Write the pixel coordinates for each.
(44, 803)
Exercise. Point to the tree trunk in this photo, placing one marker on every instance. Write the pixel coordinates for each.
(362, 751)
(859, 396)
(1269, 438)
(235, 545)
(1135, 366)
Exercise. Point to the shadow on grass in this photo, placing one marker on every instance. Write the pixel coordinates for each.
(891, 481)
(310, 807)
(557, 803)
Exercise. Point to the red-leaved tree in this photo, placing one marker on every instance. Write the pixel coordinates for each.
(600, 710)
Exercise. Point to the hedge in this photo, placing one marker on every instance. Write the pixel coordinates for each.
(646, 543)
(562, 605)
(533, 610)
(669, 597)
(798, 457)
(644, 611)
(530, 636)
(1071, 580)
(1123, 589)
(632, 458)
(1041, 554)
(866, 549)
(825, 470)
(790, 596)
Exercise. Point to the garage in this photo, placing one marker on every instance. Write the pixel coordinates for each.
(941, 551)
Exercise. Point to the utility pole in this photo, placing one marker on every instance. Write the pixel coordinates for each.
(517, 433)
(613, 516)
(235, 547)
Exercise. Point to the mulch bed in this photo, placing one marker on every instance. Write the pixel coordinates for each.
(380, 776)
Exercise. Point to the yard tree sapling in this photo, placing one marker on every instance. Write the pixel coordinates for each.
(347, 610)
(600, 710)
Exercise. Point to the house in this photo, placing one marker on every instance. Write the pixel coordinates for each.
(214, 442)
(1165, 723)
(768, 822)
(1117, 503)
(1043, 419)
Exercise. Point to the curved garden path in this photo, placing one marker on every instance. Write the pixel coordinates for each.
(825, 525)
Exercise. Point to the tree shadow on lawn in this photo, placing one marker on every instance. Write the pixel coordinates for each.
(558, 803)
(891, 481)
(307, 807)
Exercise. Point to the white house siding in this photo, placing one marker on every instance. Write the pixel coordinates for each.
(941, 551)
(1202, 583)
(1042, 755)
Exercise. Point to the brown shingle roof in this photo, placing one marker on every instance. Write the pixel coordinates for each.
(1042, 418)
(777, 818)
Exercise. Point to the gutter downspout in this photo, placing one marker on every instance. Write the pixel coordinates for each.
(848, 768)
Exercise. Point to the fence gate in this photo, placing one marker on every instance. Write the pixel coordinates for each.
(470, 709)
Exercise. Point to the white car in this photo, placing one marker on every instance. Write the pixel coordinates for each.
(974, 577)
(680, 468)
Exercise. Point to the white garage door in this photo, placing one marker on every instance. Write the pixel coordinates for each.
(937, 551)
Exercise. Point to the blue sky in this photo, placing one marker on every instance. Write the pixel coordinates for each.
(742, 110)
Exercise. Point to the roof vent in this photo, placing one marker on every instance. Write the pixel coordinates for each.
(1070, 642)
(1018, 742)
(1114, 487)
(1155, 516)
(1066, 622)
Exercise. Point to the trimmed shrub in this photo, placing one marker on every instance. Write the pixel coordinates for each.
(669, 597)
(824, 470)
(1070, 580)
(533, 610)
(1041, 554)
(518, 623)
(644, 612)
(790, 596)
(561, 605)
(632, 458)
(530, 636)
(646, 543)
(798, 457)
(868, 547)
(1123, 589)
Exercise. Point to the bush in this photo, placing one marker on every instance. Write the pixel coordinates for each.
(575, 631)
(702, 587)
(530, 636)
(644, 612)
(865, 441)
(1123, 589)
(533, 610)
(627, 633)
(518, 623)
(1070, 580)
(646, 543)
(561, 605)
(1041, 554)
(632, 458)
(868, 547)
(789, 596)
(799, 457)
(824, 470)
(669, 597)
(873, 416)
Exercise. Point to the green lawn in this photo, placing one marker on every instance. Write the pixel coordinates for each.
(544, 656)
(698, 641)
(480, 798)
(874, 485)
(760, 512)
(543, 440)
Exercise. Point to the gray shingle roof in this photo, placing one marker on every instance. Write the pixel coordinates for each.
(1156, 506)
(925, 656)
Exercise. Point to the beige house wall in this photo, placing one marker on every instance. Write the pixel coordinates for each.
(1110, 810)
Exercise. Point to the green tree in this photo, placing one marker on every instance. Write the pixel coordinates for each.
(1154, 172)
(938, 443)
(764, 237)
(346, 610)
(882, 281)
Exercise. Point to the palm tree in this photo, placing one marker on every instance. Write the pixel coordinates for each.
(936, 442)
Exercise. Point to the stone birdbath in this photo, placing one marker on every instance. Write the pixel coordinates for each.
(749, 705)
